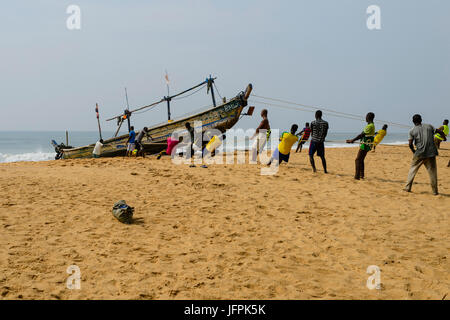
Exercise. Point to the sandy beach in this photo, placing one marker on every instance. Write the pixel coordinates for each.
(225, 232)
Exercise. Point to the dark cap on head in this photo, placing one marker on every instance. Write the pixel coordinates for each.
(294, 128)
(446, 122)
(370, 116)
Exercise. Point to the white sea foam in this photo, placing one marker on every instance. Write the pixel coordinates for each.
(31, 156)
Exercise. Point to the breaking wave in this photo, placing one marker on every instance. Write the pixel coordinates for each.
(32, 156)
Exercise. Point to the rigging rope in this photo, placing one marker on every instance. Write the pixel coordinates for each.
(182, 97)
(217, 91)
(331, 112)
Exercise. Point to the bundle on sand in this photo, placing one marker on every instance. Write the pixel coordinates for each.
(123, 212)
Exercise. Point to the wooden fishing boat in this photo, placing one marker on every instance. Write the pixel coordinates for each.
(221, 117)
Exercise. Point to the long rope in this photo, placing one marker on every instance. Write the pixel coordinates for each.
(300, 109)
(217, 91)
(331, 112)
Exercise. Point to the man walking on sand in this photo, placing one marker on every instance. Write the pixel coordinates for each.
(319, 130)
(425, 152)
(261, 136)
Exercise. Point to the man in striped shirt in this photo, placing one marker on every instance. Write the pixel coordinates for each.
(319, 130)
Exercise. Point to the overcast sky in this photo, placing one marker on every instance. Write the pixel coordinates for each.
(313, 52)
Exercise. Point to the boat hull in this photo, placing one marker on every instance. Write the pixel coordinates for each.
(222, 117)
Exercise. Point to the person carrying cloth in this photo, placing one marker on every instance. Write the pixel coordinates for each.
(438, 138)
(283, 150)
(171, 144)
(379, 136)
(367, 138)
(97, 149)
(212, 145)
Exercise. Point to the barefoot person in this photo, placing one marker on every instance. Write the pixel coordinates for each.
(367, 137)
(438, 138)
(319, 130)
(283, 150)
(306, 133)
(425, 152)
(261, 136)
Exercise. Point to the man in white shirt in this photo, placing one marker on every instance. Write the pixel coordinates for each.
(98, 149)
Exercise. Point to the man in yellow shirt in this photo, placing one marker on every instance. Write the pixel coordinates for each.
(366, 138)
(283, 150)
(438, 138)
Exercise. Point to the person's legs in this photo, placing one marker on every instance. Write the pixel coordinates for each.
(255, 149)
(430, 164)
(437, 142)
(275, 156)
(321, 154)
(258, 146)
(359, 164)
(324, 164)
(299, 146)
(312, 151)
(415, 165)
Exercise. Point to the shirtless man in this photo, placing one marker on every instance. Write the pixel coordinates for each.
(261, 137)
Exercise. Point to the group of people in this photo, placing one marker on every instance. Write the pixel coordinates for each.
(424, 142)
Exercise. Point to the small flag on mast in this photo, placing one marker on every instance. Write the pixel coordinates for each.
(167, 78)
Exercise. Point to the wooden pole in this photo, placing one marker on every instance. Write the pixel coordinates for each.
(98, 121)
(210, 84)
(67, 138)
(127, 112)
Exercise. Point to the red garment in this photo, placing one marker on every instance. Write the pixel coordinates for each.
(306, 133)
(171, 143)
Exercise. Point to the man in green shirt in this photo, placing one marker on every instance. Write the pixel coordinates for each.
(366, 137)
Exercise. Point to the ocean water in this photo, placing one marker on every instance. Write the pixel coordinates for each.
(36, 146)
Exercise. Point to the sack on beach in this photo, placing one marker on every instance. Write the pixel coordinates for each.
(123, 212)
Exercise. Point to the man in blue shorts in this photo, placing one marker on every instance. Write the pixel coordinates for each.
(319, 130)
(131, 141)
